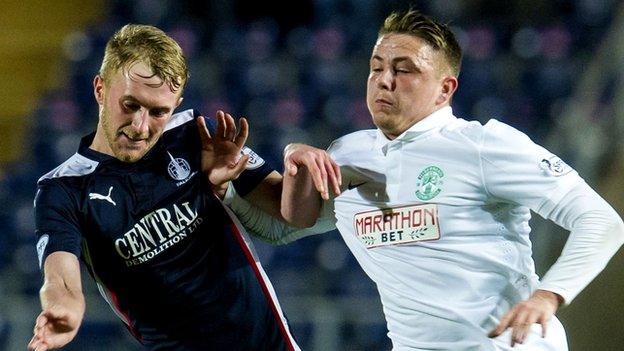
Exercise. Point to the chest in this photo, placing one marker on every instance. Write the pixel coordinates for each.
(411, 192)
(427, 171)
(135, 214)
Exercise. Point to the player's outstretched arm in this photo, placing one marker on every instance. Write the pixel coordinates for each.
(309, 174)
(279, 205)
(222, 160)
(62, 303)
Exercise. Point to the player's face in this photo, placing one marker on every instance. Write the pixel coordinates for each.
(135, 106)
(408, 81)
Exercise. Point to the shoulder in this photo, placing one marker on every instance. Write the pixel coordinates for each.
(75, 166)
(181, 131)
(55, 187)
(353, 142)
(463, 130)
(500, 132)
(501, 143)
(181, 118)
(492, 132)
(504, 145)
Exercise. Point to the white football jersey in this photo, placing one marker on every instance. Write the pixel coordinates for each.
(439, 219)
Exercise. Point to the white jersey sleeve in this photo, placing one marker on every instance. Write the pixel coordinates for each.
(519, 171)
(596, 233)
(270, 229)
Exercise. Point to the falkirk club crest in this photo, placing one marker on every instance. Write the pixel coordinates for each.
(179, 168)
(429, 183)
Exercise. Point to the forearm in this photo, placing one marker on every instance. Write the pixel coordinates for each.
(263, 225)
(309, 175)
(55, 292)
(300, 202)
(220, 190)
(61, 292)
(596, 233)
(280, 204)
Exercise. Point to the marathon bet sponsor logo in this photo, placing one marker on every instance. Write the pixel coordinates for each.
(179, 169)
(429, 183)
(398, 225)
(156, 232)
(554, 166)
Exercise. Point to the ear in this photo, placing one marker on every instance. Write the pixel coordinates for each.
(98, 89)
(449, 85)
(179, 101)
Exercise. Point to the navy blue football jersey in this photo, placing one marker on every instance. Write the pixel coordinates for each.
(173, 263)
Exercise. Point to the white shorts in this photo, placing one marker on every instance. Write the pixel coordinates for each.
(555, 339)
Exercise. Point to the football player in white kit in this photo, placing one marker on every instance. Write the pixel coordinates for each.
(436, 209)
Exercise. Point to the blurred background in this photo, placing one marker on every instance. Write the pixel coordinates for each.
(298, 70)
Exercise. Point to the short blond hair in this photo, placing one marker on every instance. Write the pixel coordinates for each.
(147, 44)
(436, 34)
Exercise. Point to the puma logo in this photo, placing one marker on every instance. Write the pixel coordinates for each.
(96, 196)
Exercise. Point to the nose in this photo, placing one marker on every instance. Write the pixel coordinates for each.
(140, 122)
(385, 80)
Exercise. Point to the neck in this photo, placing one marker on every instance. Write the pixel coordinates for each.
(393, 134)
(100, 144)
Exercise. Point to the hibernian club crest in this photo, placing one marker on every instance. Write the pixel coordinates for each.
(429, 183)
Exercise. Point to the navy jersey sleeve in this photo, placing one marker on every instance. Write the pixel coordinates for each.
(56, 221)
(257, 169)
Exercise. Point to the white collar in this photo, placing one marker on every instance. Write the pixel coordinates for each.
(437, 119)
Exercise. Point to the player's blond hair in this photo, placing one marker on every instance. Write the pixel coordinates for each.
(135, 43)
(436, 34)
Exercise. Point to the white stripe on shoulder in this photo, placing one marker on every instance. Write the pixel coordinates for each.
(179, 119)
(77, 165)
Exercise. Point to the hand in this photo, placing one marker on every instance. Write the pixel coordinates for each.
(54, 328)
(221, 153)
(321, 167)
(539, 308)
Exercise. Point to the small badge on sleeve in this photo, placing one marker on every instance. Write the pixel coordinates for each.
(41, 246)
(554, 166)
(255, 161)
